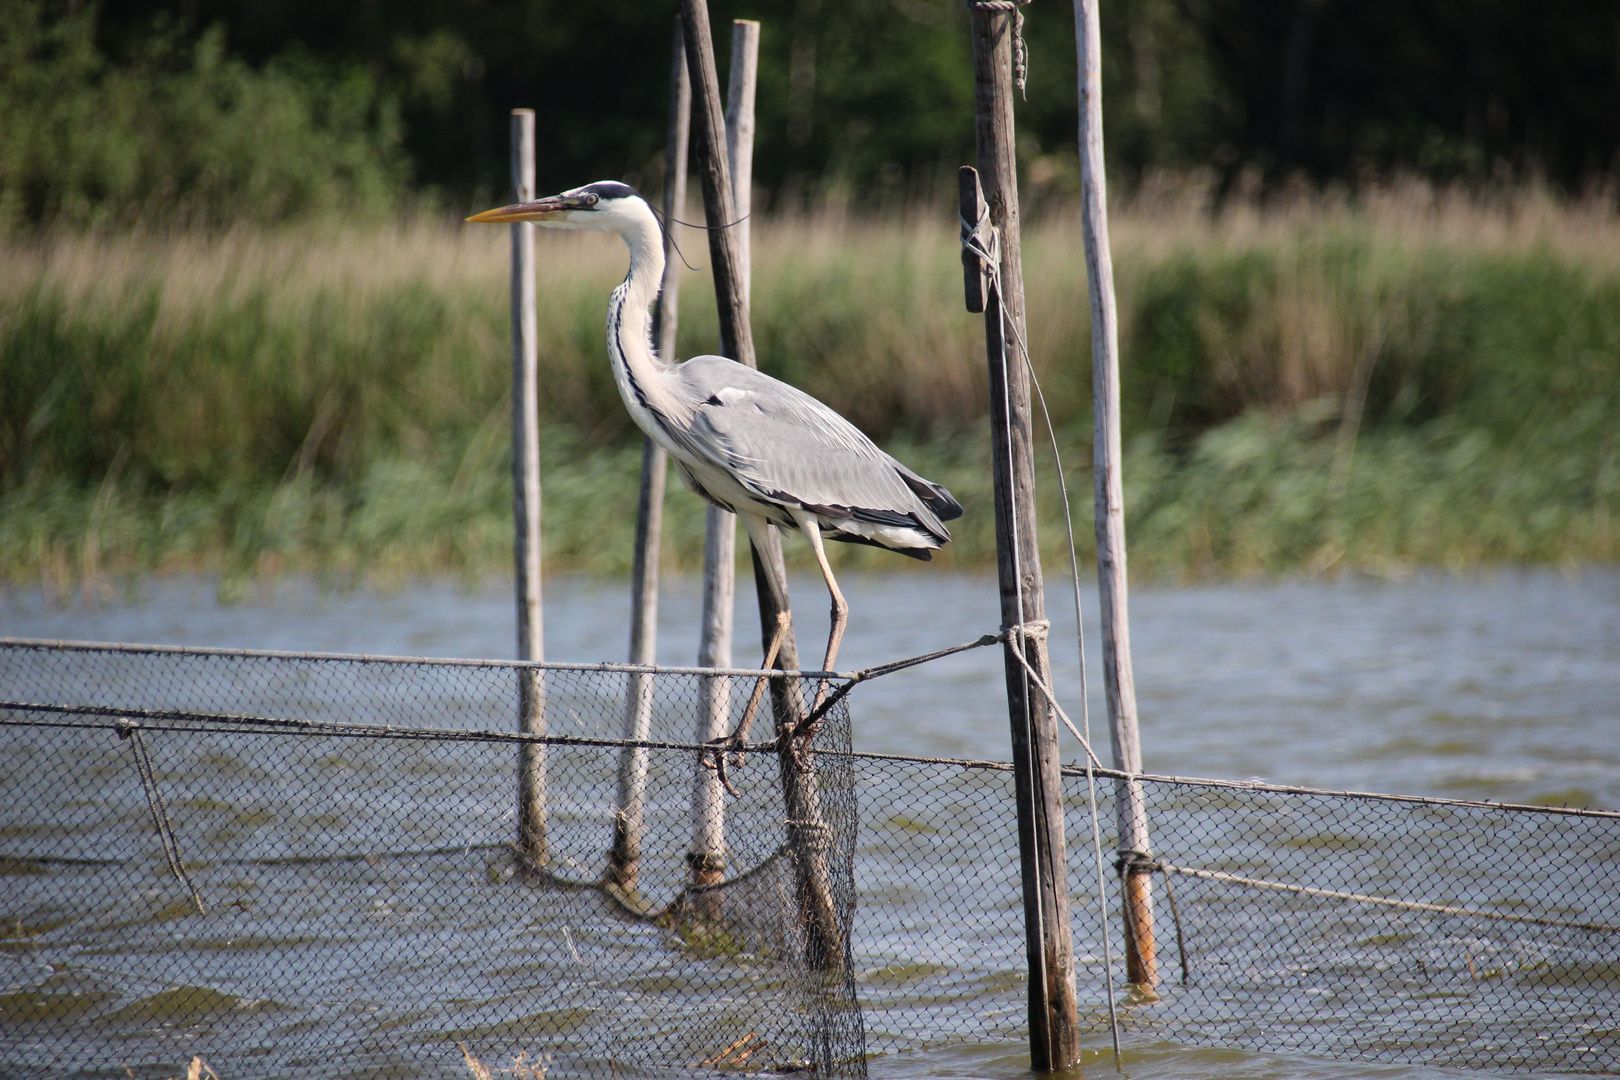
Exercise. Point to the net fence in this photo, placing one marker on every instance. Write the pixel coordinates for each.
(306, 866)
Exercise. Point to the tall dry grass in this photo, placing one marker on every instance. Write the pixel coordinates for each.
(326, 397)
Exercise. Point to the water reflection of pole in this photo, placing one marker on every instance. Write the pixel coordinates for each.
(707, 858)
(624, 858)
(531, 840)
(1141, 963)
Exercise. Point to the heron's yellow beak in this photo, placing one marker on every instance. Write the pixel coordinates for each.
(549, 209)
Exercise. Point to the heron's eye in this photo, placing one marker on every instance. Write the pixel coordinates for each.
(591, 198)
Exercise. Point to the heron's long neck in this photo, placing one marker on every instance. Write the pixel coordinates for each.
(637, 369)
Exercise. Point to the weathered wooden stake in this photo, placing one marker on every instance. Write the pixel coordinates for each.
(706, 861)
(709, 126)
(624, 858)
(707, 858)
(531, 839)
(741, 87)
(825, 946)
(1053, 1019)
(1141, 961)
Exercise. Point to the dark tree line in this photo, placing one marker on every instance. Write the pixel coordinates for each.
(877, 93)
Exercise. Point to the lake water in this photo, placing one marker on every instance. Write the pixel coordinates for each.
(1503, 686)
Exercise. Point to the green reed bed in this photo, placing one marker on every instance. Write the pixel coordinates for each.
(1322, 387)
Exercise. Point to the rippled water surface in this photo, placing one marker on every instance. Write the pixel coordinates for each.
(1503, 687)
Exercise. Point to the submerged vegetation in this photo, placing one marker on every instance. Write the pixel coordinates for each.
(1319, 386)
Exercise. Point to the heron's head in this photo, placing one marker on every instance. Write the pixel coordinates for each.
(605, 206)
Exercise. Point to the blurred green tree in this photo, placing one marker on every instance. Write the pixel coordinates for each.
(179, 130)
(304, 103)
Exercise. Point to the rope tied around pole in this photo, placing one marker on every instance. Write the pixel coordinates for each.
(1136, 862)
(812, 835)
(1131, 863)
(982, 239)
(1034, 630)
(706, 861)
(1020, 51)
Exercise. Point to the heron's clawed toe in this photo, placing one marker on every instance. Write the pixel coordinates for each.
(715, 758)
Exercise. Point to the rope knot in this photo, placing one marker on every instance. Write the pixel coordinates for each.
(982, 238)
(706, 861)
(1020, 51)
(810, 835)
(1034, 630)
(1131, 863)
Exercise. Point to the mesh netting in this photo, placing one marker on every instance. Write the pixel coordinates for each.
(361, 900)
(1385, 929)
(347, 827)
(1351, 926)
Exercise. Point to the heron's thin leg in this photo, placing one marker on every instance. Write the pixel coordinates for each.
(811, 528)
(757, 532)
(739, 737)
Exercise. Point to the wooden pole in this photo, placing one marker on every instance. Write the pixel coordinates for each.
(1053, 1019)
(707, 858)
(1141, 961)
(706, 861)
(709, 125)
(531, 839)
(624, 857)
(824, 942)
(741, 88)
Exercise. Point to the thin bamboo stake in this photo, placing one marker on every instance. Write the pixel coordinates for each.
(1141, 960)
(742, 85)
(531, 839)
(706, 859)
(816, 910)
(1054, 1037)
(624, 857)
(725, 257)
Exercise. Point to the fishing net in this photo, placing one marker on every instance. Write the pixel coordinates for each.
(305, 866)
(256, 860)
(1341, 925)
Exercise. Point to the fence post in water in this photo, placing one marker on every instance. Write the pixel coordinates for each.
(624, 858)
(707, 859)
(531, 839)
(825, 945)
(1141, 961)
(1054, 1040)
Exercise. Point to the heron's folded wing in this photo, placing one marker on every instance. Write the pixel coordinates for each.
(788, 447)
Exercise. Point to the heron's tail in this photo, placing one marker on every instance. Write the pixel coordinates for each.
(933, 496)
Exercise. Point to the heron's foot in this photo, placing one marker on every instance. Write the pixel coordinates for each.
(714, 758)
(717, 752)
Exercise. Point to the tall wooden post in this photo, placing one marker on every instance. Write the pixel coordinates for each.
(709, 127)
(1141, 961)
(531, 642)
(624, 858)
(807, 831)
(1053, 1020)
(741, 87)
(706, 860)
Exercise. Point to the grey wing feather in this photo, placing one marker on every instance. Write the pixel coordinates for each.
(786, 446)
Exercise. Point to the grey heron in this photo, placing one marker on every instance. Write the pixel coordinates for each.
(746, 442)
